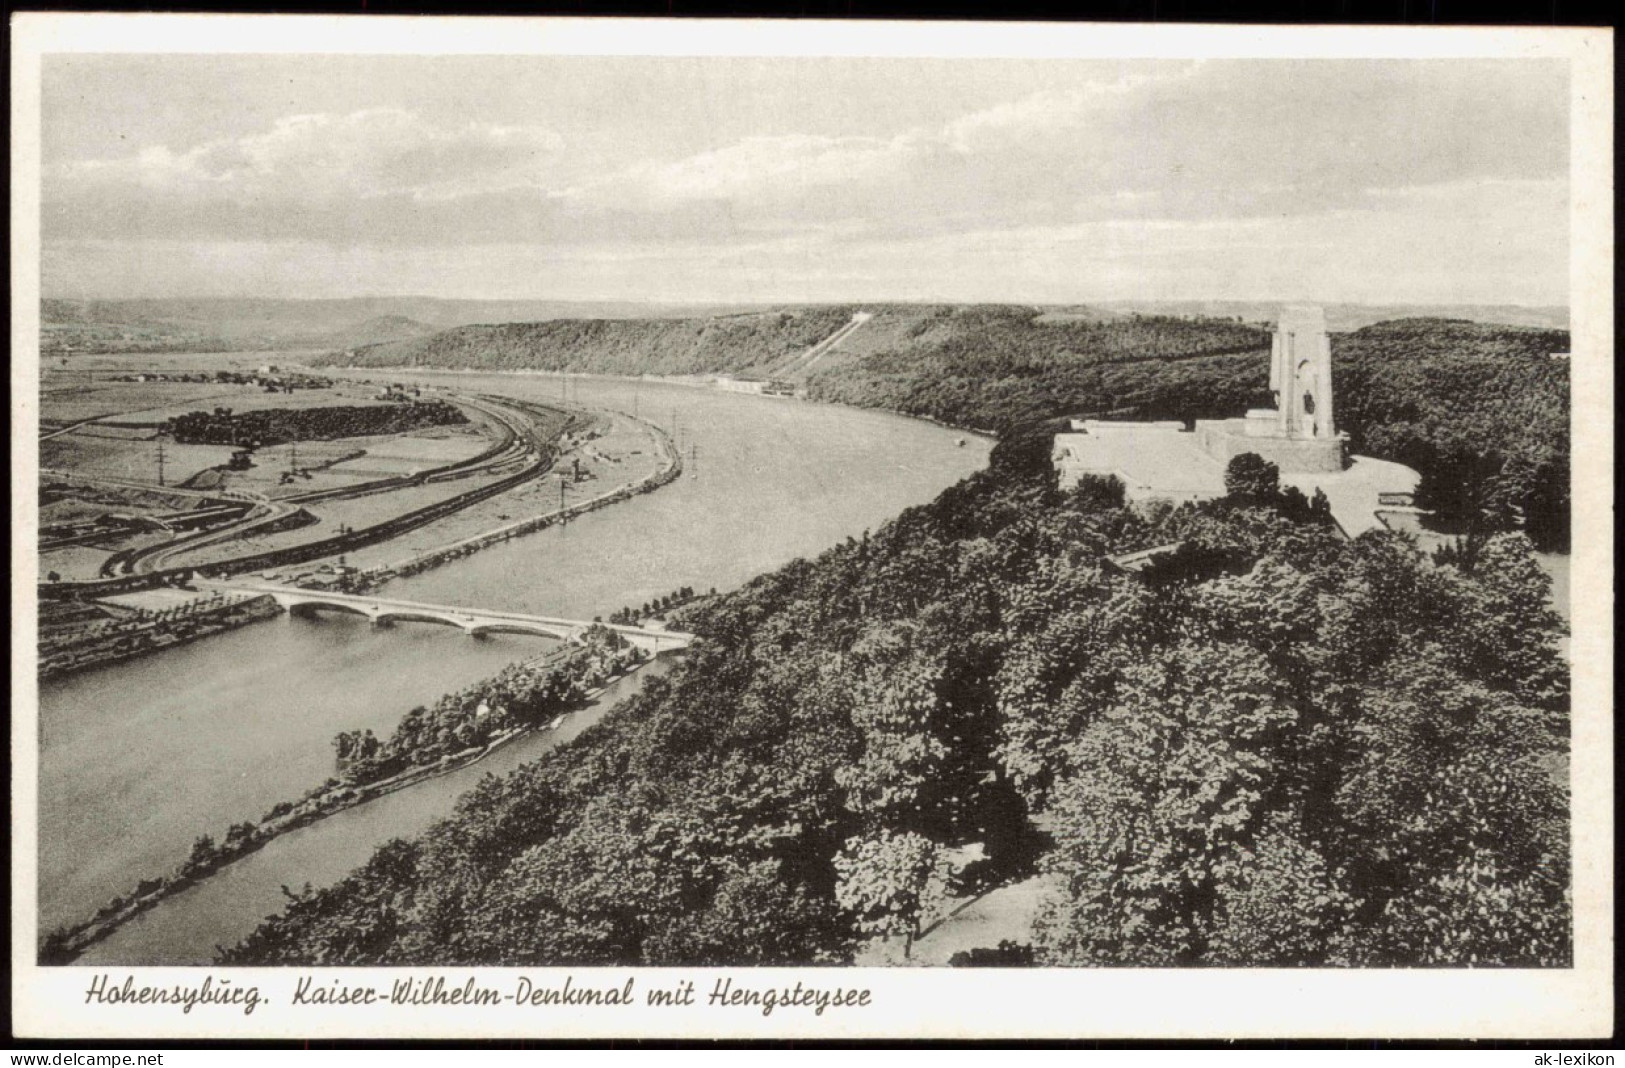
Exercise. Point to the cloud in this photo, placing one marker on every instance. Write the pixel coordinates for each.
(756, 166)
(1114, 172)
(371, 153)
(1208, 140)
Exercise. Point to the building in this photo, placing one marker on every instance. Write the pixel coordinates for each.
(1165, 461)
(758, 386)
(741, 384)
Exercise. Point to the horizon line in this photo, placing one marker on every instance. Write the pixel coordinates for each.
(765, 303)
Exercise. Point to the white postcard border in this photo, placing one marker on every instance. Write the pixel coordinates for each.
(938, 1003)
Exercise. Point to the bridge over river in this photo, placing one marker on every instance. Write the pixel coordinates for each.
(475, 621)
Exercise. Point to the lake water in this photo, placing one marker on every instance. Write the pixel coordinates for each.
(139, 759)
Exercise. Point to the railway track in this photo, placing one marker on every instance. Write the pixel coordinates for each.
(518, 441)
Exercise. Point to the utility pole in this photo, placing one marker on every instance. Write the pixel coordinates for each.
(562, 517)
(693, 456)
(293, 456)
(160, 460)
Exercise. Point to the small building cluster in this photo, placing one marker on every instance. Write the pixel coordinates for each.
(763, 387)
(267, 377)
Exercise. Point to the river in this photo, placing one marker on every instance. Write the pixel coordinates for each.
(139, 759)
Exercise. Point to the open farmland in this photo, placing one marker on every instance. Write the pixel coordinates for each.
(227, 496)
(73, 563)
(97, 364)
(348, 461)
(99, 457)
(134, 401)
(245, 398)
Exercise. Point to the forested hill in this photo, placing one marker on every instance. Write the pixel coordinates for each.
(1278, 748)
(615, 346)
(970, 343)
(1481, 411)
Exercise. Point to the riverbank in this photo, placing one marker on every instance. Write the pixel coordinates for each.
(126, 640)
(669, 470)
(63, 945)
(701, 382)
(251, 713)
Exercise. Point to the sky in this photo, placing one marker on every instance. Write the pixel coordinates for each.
(782, 179)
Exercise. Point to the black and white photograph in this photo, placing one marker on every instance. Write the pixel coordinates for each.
(619, 525)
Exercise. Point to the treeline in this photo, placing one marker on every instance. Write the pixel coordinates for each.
(1284, 749)
(613, 346)
(274, 426)
(523, 696)
(1481, 411)
(1000, 367)
(678, 598)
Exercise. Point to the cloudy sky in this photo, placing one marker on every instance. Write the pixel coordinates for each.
(805, 179)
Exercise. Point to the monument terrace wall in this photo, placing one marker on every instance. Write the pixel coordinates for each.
(1224, 439)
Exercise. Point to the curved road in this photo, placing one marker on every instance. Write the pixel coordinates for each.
(518, 439)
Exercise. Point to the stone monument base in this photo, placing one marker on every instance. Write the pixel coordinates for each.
(1225, 439)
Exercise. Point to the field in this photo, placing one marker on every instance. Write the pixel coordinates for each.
(623, 455)
(349, 461)
(110, 469)
(99, 363)
(99, 457)
(153, 402)
(66, 402)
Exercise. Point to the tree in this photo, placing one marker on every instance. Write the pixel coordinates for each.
(891, 883)
(1170, 792)
(894, 701)
(1251, 477)
(203, 854)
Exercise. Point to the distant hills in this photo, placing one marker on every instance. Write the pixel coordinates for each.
(797, 343)
(1342, 318)
(246, 324)
(380, 329)
(757, 342)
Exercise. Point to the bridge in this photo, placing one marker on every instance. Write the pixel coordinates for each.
(474, 621)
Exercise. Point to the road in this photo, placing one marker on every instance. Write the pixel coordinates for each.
(518, 440)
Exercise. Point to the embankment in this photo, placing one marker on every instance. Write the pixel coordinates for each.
(112, 642)
(670, 469)
(64, 944)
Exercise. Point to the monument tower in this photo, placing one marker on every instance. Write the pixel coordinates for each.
(1299, 435)
(1301, 374)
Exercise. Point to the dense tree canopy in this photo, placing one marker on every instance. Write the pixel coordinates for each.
(1480, 410)
(1282, 748)
(1271, 746)
(272, 426)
